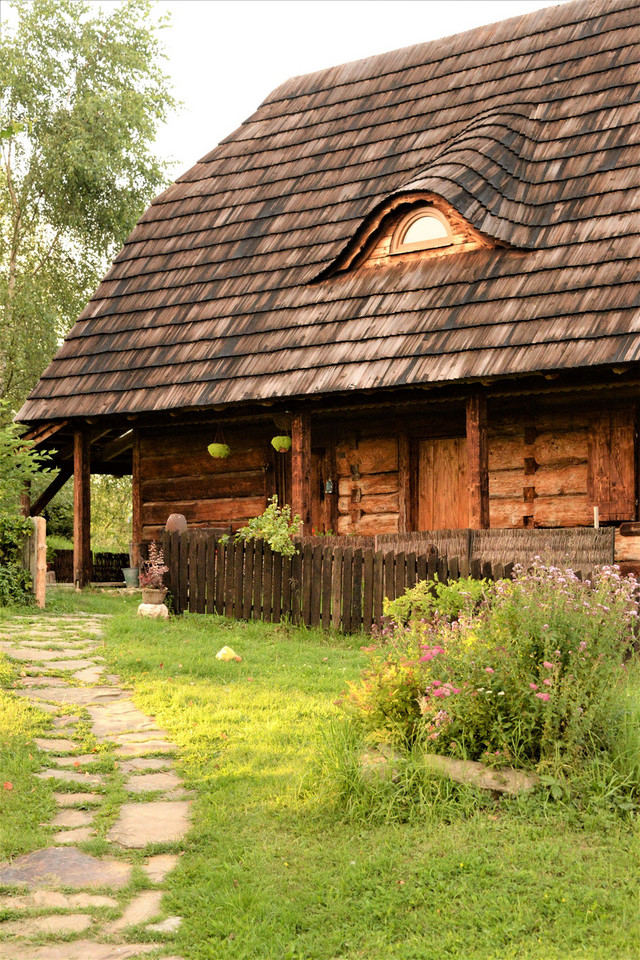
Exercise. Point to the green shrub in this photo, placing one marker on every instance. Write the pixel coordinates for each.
(15, 581)
(275, 526)
(534, 676)
(429, 596)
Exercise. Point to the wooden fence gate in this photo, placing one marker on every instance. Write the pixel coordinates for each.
(339, 588)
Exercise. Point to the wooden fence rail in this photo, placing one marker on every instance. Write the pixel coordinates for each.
(339, 588)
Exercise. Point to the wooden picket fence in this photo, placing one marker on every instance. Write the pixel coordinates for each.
(334, 587)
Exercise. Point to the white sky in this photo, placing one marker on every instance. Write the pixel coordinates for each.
(225, 56)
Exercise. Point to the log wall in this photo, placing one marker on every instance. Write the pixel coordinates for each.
(177, 475)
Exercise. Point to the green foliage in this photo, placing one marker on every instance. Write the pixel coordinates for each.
(15, 581)
(111, 513)
(427, 597)
(275, 526)
(19, 464)
(534, 676)
(81, 99)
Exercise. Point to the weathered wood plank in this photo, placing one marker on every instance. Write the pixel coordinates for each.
(296, 587)
(286, 587)
(221, 560)
(307, 582)
(258, 560)
(478, 462)
(229, 567)
(183, 553)
(356, 591)
(81, 509)
(347, 584)
(277, 564)
(336, 588)
(378, 586)
(247, 597)
(327, 571)
(400, 574)
(367, 590)
(301, 468)
(211, 559)
(238, 580)
(389, 575)
(267, 583)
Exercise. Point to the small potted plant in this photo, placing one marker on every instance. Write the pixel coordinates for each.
(281, 444)
(152, 576)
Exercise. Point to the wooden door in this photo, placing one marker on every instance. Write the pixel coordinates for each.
(443, 494)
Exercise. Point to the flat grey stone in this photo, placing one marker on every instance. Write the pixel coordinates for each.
(34, 655)
(72, 665)
(72, 818)
(63, 722)
(73, 836)
(77, 799)
(36, 926)
(150, 746)
(77, 695)
(170, 925)
(144, 763)
(52, 900)
(152, 781)
(159, 821)
(70, 776)
(158, 867)
(81, 760)
(121, 716)
(64, 867)
(145, 906)
(79, 950)
(142, 736)
(59, 745)
(505, 780)
(89, 675)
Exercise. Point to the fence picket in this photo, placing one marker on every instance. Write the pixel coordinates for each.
(258, 549)
(247, 599)
(316, 586)
(277, 561)
(183, 571)
(296, 587)
(230, 552)
(327, 557)
(267, 583)
(336, 589)
(347, 581)
(378, 585)
(286, 588)
(307, 561)
(221, 557)
(201, 568)
(212, 549)
(238, 575)
(367, 590)
(389, 576)
(356, 591)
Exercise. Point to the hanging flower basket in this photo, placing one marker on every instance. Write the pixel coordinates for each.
(219, 451)
(281, 444)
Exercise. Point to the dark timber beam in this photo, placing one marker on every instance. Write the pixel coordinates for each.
(301, 469)
(136, 511)
(478, 462)
(81, 509)
(117, 446)
(38, 435)
(47, 495)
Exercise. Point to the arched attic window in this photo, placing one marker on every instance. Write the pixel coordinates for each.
(421, 229)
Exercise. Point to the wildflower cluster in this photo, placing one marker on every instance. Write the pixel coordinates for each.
(528, 673)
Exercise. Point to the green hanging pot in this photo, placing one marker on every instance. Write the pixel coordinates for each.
(219, 451)
(281, 444)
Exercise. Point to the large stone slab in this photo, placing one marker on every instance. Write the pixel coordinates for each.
(89, 675)
(505, 780)
(80, 760)
(52, 900)
(78, 950)
(159, 821)
(145, 763)
(73, 664)
(121, 716)
(37, 926)
(68, 837)
(77, 799)
(64, 867)
(140, 749)
(77, 695)
(152, 781)
(70, 776)
(144, 907)
(158, 867)
(57, 745)
(34, 655)
(72, 818)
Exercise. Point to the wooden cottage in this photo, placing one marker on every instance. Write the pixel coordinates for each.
(421, 266)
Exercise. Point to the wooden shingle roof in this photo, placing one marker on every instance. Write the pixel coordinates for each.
(224, 291)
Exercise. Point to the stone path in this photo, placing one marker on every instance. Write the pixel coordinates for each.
(69, 903)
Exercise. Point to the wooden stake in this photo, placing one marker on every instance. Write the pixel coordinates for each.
(301, 469)
(81, 509)
(136, 506)
(478, 462)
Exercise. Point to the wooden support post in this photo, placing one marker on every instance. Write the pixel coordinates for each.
(136, 506)
(404, 501)
(81, 509)
(301, 469)
(478, 462)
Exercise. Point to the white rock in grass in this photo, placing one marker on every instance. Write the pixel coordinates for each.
(157, 611)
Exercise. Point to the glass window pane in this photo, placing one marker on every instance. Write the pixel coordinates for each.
(424, 229)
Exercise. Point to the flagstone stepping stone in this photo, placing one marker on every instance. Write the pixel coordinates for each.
(79, 950)
(55, 746)
(158, 867)
(145, 906)
(73, 836)
(71, 923)
(158, 821)
(142, 736)
(120, 716)
(77, 695)
(61, 722)
(65, 867)
(144, 763)
(79, 665)
(151, 746)
(52, 900)
(70, 776)
(77, 799)
(79, 761)
(170, 925)
(72, 818)
(89, 675)
(152, 781)
(35, 681)
(41, 656)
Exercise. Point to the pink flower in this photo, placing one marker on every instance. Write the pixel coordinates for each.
(543, 696)
(547, 682)
(489, 670)
(548, 665)
(533, 686)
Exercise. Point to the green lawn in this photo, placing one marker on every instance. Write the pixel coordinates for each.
(273, 870)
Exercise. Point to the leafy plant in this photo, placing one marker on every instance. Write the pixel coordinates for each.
(19, 463)
(15, 581)
(276, 526)
(153, 569)
(429, 596)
